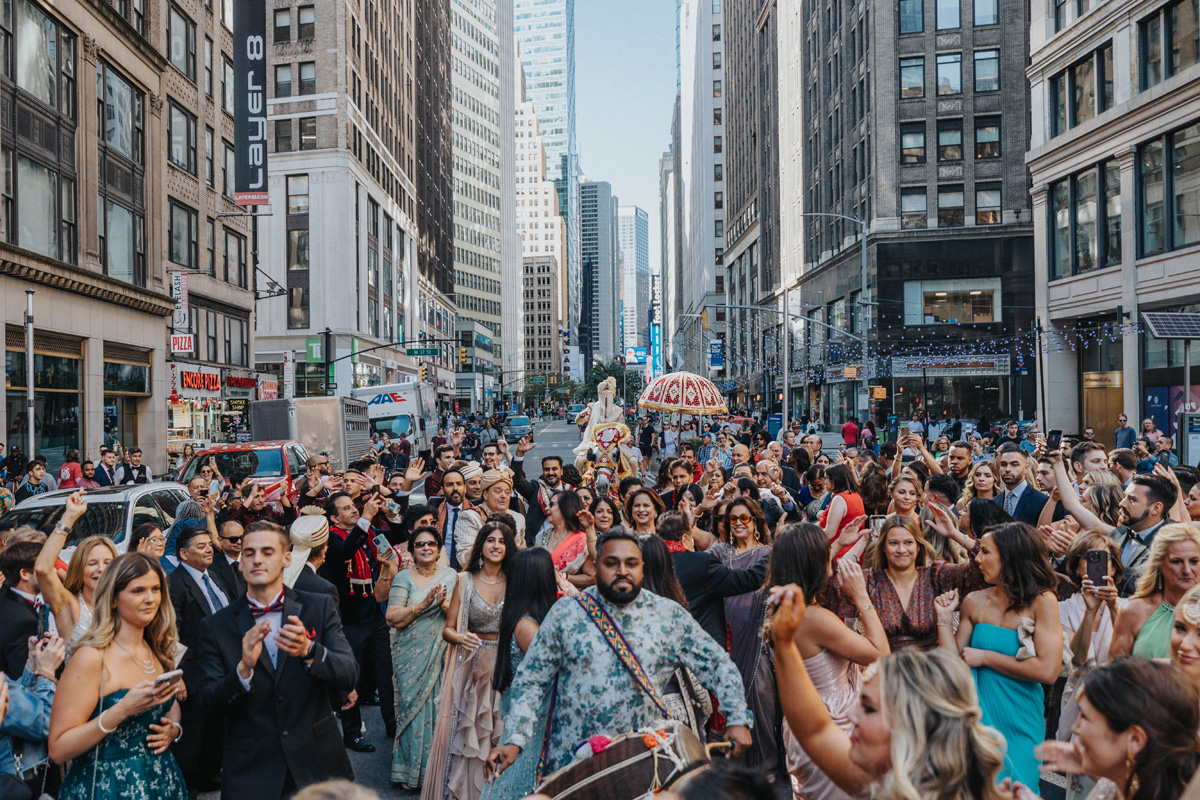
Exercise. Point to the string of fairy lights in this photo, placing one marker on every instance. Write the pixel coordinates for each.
(759, 347)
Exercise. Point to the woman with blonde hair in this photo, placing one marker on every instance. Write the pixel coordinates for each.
(1173, 566)
(983, 483)
(110, 719)
(917, 730)
(71, 600)
(906, 496)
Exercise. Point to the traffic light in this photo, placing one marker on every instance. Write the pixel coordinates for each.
(462, 355)
(422, 373)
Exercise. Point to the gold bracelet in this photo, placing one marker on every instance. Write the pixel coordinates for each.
(866, 608)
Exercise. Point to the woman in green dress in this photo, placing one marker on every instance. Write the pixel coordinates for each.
(417, 610)
(109, 719)
(1012, 558)
(1143, 627)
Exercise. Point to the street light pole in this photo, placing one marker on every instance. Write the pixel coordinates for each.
(862, 298)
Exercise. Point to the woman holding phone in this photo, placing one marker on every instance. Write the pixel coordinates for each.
(112, 719)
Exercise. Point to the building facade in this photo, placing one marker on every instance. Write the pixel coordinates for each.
(545, 32)
(749, 266)
(1115, 166)
(700, 167)
(601, 255)
(633, 234)
(543, 351)
(914, 126)
(343, 244)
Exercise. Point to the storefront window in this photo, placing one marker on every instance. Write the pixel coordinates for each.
(58, 418)
(130, 378)
(953, 302)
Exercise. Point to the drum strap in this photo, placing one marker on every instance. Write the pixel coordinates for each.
(620, 647)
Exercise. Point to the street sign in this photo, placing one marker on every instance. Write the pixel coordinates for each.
(421, 351)
(538, 379)
(179, 290)
(181, 343)
(312, 350)
(850, 373)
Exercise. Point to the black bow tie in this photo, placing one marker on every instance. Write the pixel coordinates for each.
(257, 611)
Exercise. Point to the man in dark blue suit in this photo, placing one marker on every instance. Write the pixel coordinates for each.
(1021, 501)
(106, 470)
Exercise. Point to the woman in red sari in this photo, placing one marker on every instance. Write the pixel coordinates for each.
(567, 539)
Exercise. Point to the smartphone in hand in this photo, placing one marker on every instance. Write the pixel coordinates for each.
(1097, 567)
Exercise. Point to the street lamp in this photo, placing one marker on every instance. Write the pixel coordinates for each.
(862, 225)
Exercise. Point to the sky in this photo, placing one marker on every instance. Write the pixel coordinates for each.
(624, 97)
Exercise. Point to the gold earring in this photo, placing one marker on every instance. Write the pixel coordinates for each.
(1132, 784)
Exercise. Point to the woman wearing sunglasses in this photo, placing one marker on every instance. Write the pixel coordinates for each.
(417, 610)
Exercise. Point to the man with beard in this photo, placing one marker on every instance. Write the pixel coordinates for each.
(88, 481)
(596, 691)
(1020, 500)
(537, 494)
(605, 410)
(458, 535)
(1144, 508)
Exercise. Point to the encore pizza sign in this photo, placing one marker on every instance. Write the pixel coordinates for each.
(204, 381)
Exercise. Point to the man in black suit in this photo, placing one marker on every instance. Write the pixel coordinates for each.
(196, 596)
(269, 663)
(1021, 501)
(536, 493)
(18, 619)
(227, 547)
(706, 581)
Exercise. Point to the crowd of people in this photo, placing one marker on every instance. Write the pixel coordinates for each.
(931, 617)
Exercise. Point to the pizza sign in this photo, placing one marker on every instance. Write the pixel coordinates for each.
(206, 381)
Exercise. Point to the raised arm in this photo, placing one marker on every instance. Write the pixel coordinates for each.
(63, 604)
(1070, 498)
(825, 743)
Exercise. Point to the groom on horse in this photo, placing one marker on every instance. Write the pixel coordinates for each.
(604, 457)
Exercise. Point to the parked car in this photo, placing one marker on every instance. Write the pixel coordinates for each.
(517, 428)
(274, 465)
(113, 511)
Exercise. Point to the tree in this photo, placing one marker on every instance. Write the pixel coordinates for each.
(629, 381)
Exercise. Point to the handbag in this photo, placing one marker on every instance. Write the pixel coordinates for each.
(13, 788)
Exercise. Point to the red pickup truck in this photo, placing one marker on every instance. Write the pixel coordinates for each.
(274, 465)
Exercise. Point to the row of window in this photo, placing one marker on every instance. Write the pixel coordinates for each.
(305, 72)
(949, 73)
(306, 19)
(1082, 90)
(183, 237)
(1085, 208)
(951, 212)
(949, 140)
(947, 13)
(237, 337)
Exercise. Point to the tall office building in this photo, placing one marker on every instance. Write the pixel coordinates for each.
(751, 195)
(700, 165)
(601, 260)
(510, 356)
(343, 241)
(914, 122)
(634, 237)
(543, 247)
(670, 201)
(546, 34)
(1116, 207)
(478, 83)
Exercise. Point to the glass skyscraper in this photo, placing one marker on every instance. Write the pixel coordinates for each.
(545, 32)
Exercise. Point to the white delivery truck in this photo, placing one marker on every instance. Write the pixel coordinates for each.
(409, 408)
(335, 426)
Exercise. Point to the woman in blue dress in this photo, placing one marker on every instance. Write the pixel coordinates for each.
(1019, 605)
(109, 719)
(531, 591)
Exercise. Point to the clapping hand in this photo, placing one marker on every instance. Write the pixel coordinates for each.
(789, 611)
(586, 520)
(945, 605)
(1057, 539)
(853, 582)
(252, 644)
(46, 654)
(293, 638)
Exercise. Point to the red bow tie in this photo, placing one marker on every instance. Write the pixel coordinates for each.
(257, 611)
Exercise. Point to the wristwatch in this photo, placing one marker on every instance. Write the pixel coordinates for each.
(60, 527)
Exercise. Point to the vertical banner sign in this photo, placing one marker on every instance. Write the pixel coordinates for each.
(250, 101)
(289, 375)
(180, 293)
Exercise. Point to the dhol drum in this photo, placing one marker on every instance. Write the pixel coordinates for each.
(632, 766)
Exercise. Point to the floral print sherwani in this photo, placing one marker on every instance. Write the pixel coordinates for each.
(596, 695)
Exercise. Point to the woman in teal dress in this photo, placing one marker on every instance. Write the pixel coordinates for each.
(533, 589)
(1144, 626)
(109, 719)
(417, 610)
(1019, 605)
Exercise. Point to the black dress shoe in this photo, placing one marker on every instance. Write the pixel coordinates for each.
(360, 745)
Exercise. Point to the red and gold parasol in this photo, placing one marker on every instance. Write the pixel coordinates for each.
(683, 393)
